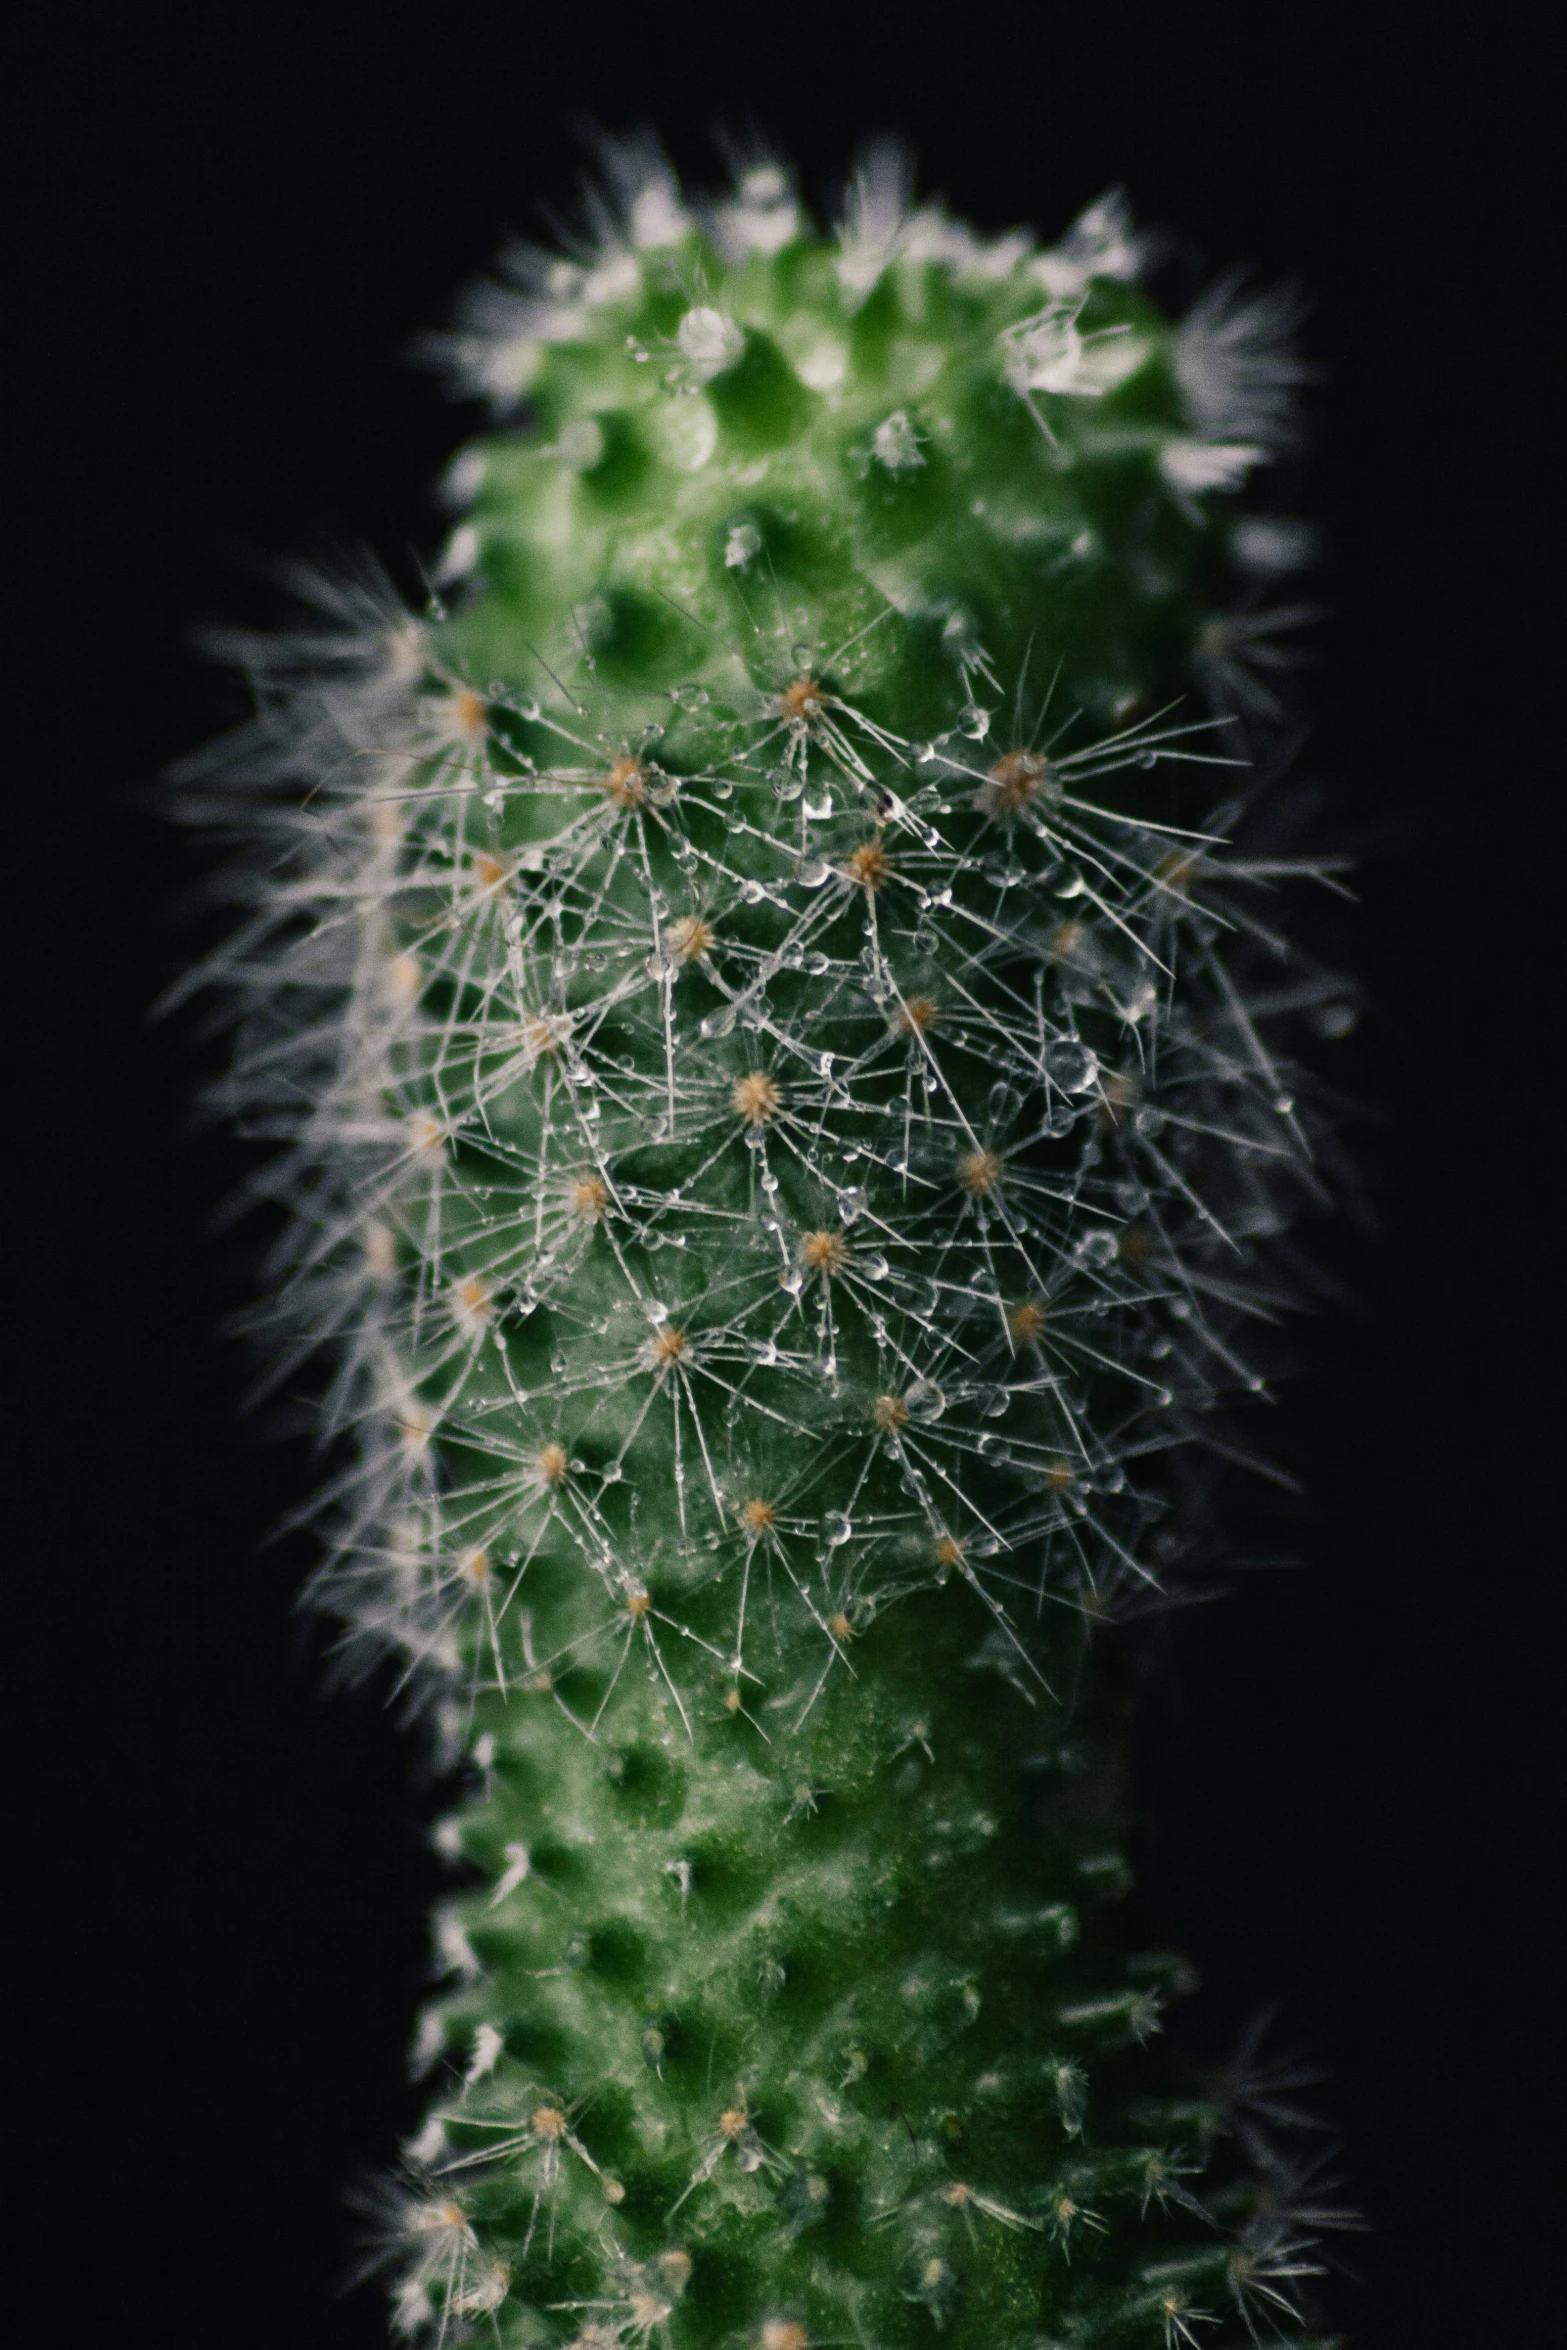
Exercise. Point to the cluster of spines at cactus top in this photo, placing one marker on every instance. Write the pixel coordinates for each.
(782, 1102)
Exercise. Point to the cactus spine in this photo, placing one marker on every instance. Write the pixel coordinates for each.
(755, 1008)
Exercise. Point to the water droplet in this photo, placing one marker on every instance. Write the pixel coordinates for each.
(851, 1203)
(1059, 1119)
(689, 697)
(785, 784)
(1149, 1122)
(975, 723)
(717, 1023)
(1072, 1066)
(875, 1268)
(752, 892)
(810, 873)
(837, 1529)
(820, 807)
(1003, 1102)
(924, 1400)
(722, 788)
(1096, 1248)
(528, 708)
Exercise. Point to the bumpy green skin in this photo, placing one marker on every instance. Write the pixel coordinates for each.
(882, 1939)
(1058, 542)
(751, 1464)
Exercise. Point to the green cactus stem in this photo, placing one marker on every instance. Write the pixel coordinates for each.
(781, 1126)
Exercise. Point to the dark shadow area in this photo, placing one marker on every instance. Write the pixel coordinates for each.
(232, 226)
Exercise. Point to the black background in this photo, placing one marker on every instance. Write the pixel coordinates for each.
(231, 223)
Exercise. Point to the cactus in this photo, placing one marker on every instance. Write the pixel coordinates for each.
(782, 1111)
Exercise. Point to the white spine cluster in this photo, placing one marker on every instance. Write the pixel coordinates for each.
(405, 983)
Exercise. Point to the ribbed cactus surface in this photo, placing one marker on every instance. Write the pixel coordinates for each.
(778, 1130)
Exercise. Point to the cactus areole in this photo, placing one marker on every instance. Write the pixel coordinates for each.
(779, 1122)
